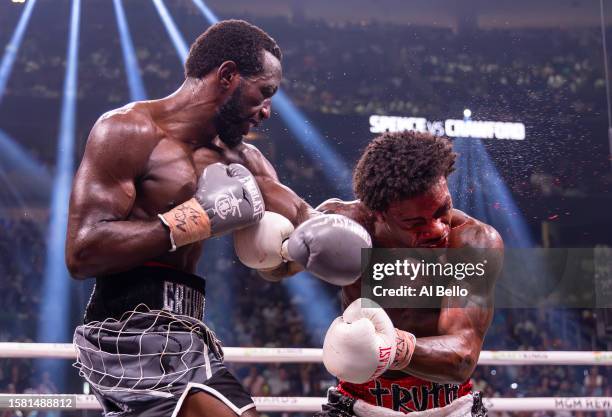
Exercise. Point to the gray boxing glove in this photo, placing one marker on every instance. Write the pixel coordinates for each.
(329, 246)
(230, 196)
(227, 198)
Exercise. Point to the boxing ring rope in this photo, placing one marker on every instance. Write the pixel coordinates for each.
(313, 404)
(309, 355)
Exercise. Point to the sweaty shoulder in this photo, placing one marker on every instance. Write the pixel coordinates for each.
(466, 231)
(125, 136)
(355, 210)
(256, 162)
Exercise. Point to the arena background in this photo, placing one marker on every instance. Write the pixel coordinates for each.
(540, 63)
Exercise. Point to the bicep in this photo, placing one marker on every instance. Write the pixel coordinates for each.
(278, 197)
(98, 196)
(472, 314)
(104, 186)
(469, 322)
(283, 200)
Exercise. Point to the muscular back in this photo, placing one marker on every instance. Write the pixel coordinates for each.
(132, 170)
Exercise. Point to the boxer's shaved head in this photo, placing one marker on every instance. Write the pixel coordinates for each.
(230, 40)
(396, 166)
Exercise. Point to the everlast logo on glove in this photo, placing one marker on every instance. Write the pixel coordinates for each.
(227, 205)
(250, 185)
(383, 360)
(346, 223)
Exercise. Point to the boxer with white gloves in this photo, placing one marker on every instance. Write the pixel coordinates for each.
(422, 370)
(328, 246)
(362, 344)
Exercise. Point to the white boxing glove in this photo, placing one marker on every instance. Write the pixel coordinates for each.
(259, 246)
(363, 343)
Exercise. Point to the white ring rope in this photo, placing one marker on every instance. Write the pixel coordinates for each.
(307, 355)
(313, 404)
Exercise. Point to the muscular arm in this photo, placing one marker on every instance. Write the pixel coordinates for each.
(281, 199)
(452, 356)
(278, 199)
(100, 239)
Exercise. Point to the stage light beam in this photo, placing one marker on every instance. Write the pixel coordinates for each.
(181, 47)
(10, 52)
(130, 61)
(54, 319)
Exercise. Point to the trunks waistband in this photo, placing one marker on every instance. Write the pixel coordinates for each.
(158, 287)
(406, 394)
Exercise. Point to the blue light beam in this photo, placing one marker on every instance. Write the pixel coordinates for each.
(14, 156)
(181, 47)
(11, 49)
(54, 322)
(137, 88)
(334, 166)
(208, 14)
(478, 188)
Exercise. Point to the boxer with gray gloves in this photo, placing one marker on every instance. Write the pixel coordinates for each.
(328, 246)
(227, 198)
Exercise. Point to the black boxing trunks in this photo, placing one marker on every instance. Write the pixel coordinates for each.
(143, 346)
(398, 396)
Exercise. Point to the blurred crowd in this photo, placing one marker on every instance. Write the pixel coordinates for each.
(339, 74)
(349, 68)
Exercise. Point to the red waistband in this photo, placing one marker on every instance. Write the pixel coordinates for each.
(406, 394)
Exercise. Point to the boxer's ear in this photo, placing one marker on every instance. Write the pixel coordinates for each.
(227, 74)
(379, 216)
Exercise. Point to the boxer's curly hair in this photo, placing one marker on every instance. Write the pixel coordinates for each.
(400, 165)
(230, 40)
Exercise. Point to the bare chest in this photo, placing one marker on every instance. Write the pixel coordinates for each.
(172, 176)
